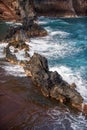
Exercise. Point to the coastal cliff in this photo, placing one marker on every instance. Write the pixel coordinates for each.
(13, 10)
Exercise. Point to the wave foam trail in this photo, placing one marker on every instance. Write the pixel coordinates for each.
(14, 70)
(64, 120)
(62, 33)
(2, 46)
(72, 77)
(52, 48)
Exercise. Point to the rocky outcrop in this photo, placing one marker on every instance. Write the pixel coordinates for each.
(61, 8)
(51, 83)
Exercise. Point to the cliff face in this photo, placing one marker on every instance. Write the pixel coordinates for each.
(62, 8)
(17, 9)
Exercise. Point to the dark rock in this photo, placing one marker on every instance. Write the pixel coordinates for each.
(51, 83)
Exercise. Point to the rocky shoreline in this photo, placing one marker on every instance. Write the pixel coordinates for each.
(49, 83)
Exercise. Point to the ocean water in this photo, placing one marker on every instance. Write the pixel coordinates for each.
(65, 47)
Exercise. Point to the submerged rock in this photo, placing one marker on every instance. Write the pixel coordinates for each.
(51, 83)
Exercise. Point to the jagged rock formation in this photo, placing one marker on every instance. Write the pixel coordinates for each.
(51, 83)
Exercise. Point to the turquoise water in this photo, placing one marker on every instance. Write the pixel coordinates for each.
(66, 49)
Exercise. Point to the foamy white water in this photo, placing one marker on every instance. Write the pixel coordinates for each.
(61, 33)
(11, 69)
(20, 54)
(2, 46)
(14, 70)
(72, 77)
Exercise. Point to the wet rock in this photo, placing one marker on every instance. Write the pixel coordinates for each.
(51, 83)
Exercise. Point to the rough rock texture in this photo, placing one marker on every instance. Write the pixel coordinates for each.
(61, 8)
(51, 83)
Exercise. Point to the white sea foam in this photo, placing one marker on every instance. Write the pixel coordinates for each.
(72, 77)
(11, 69)
(21, 55)
(2, 46)
(51, 48)
(14, 70)
(13, 23)
(62, 33)
(42, 22)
